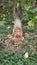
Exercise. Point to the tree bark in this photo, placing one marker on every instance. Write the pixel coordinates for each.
(17, 30)
(17, 35)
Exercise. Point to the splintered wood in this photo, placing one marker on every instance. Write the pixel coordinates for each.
(17, 35)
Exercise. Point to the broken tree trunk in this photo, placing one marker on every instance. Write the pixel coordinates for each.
(17, 30)
(17, 35)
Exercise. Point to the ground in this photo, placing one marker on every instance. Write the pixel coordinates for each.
(11, 53)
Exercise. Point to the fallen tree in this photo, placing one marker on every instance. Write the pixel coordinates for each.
(17, 35)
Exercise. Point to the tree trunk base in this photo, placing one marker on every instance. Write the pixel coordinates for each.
(17, 36)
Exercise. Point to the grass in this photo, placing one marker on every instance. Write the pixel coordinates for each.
(11, 57)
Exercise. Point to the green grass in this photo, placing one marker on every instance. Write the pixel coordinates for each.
(8, 57)
(2, 23)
